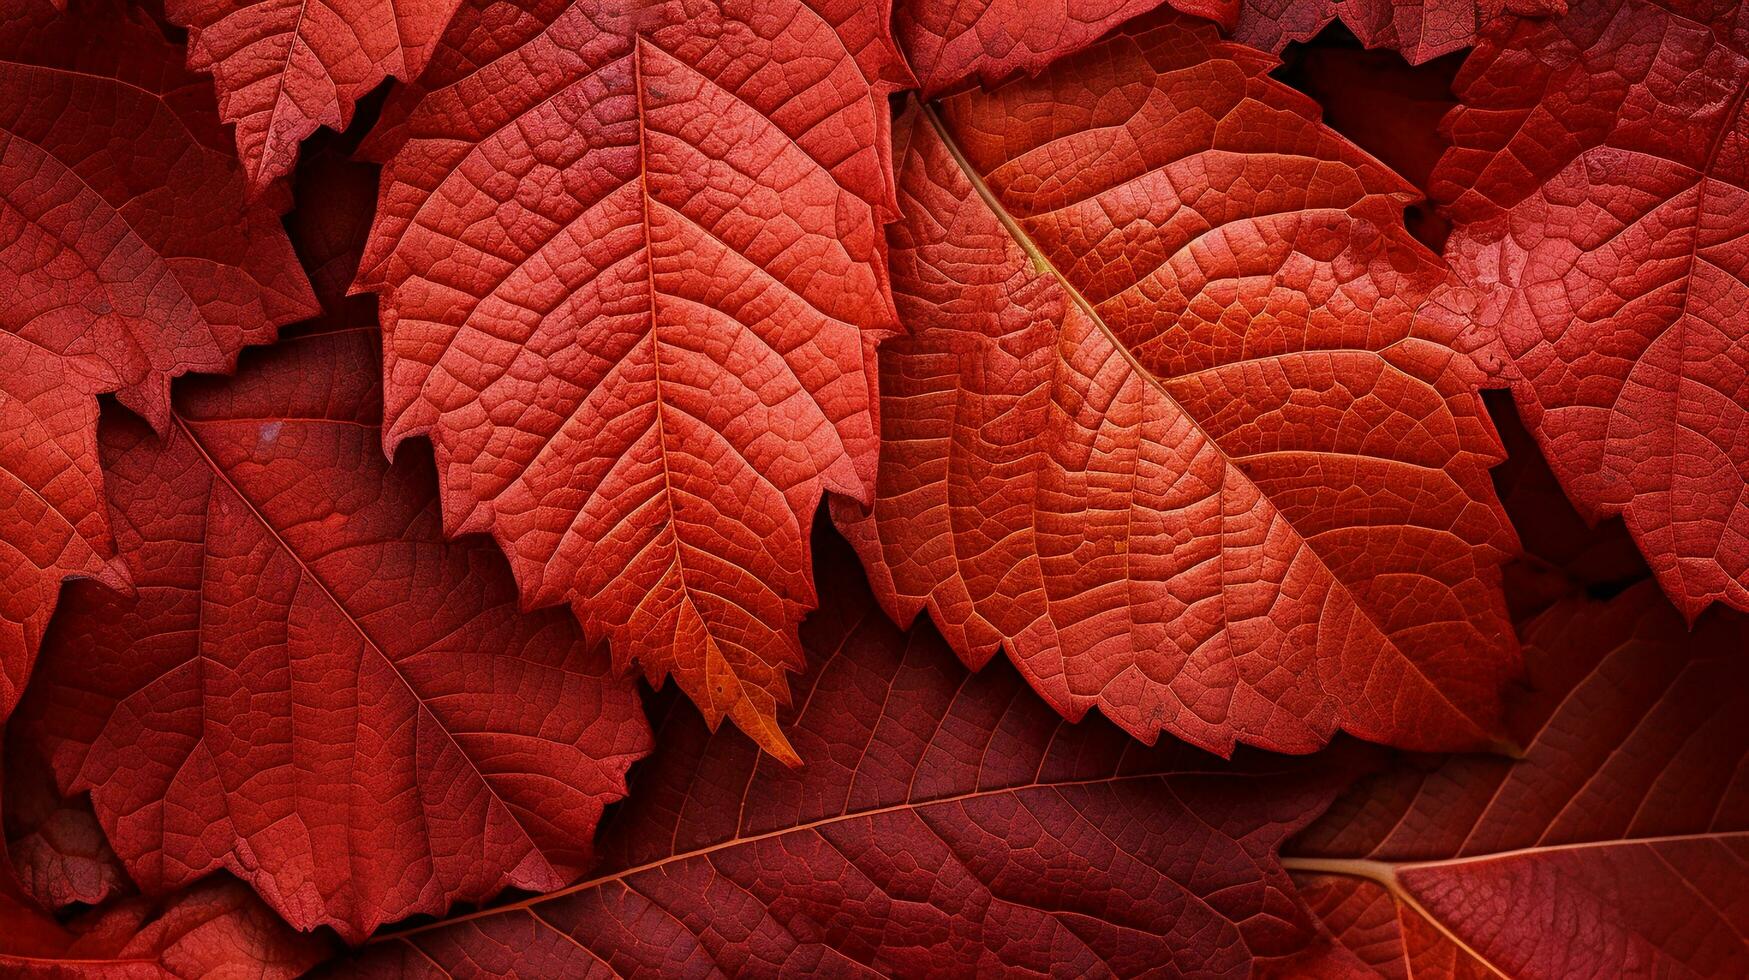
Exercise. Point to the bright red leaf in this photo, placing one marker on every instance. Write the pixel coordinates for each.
(313, 689)
(1418, 29)
(216, 929)
(940, 818)
(1169, 427)
(1599, 187)
(127, 256)
(1619, 846)
(632, 275)
(950, 41)
(285, 67)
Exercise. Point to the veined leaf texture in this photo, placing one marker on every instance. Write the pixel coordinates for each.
(1597, 185)
(1197, 390)
(1616, 847)
(128, 255)
(634, 304)
(1170, 426)
(940, 818)
(282, 68)
(310, 687)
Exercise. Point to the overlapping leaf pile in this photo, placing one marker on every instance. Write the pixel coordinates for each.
(361, 489)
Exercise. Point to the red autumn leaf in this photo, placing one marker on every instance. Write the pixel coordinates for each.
(1168, 426)
(940, 818)
(312, 688)
(282, 68)
(1615, 848)
(950, 41)
(631, 269)
(1597, 188)
(127, 256)
(216, 929)
(1418, 29)
(59, 854)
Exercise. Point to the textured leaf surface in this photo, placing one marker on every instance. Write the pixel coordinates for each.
(59, 854)
(1417, 29)
(1168, 425)
(127, 256)
(312, 688)
(282, 68)
(1617, 848)
(216, 929)
(1599, 188)
(940, 818)
(632, 275)
(950, 41)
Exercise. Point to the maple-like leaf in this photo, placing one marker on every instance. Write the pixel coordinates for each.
(1617, 847)
(58, 851)
(950, 41)
(127, 256)
(216, 929)
(1168, 425)
(1599, 189)
(632, 275)
(1417, 29)
(283, 68)
(942, 821)
(312, 688)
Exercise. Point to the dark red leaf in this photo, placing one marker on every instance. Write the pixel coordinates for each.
(313, 689)
(1599, 188)
(1619, 846)
(59, 854)
(942, 821)
(127, 256)
(216, 929)
(1169, 426)
(632, 275)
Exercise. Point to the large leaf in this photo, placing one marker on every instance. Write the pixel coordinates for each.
(312, 688)
(216, 929)
(1618, 847)
(941, 818)
(1417, 29)
(1169, 426)
(1599, 187)
(632, 274)
(950, 41)
(127, 256)
(285, 67)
